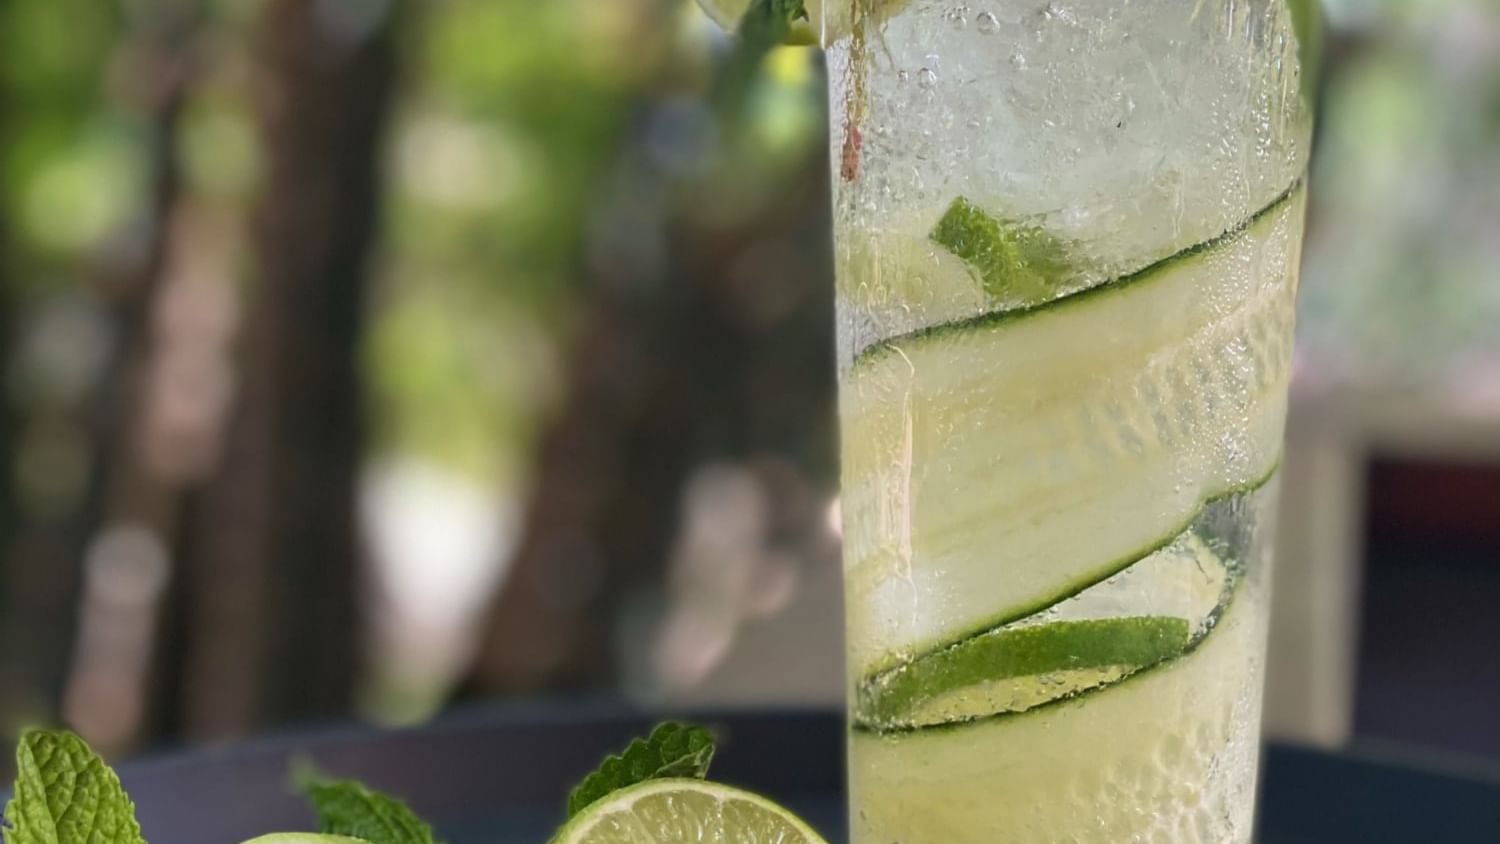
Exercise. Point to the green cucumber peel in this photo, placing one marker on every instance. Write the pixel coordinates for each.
(994, 319)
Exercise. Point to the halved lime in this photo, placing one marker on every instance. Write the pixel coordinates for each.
(680, 811)
(304, 838)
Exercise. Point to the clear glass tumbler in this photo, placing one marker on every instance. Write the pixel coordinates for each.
(1067, 240)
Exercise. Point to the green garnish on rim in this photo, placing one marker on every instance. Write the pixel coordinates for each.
(799, 22)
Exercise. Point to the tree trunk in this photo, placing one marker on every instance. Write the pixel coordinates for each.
(9, 511)
(132, 511)
(272, 562)
(38, 518)
(730, 357)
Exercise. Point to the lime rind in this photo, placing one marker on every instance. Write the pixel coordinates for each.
(1076, 696)
(1053, 655)
(304, 838)
(1073, 654)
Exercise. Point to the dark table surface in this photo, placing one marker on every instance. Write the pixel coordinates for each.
(500, 776)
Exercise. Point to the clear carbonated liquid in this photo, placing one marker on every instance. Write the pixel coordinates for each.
(1056, 504)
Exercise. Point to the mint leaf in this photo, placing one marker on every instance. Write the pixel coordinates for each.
(66, 794)
(347, 807)
(1019, 265)
(672, 750)
(768, 22)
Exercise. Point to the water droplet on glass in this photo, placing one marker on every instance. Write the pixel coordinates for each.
(987, 23)
(927, 78)
(957, 17)
(903, 76)
(1018, 60)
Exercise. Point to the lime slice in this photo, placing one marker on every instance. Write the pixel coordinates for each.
(304, 838)
(1019, 265)
(1164, 750)
(827, 20)
(1014, 669)
(669, 811)
(1078, 645)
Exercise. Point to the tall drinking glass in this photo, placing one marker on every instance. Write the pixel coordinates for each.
(1067, 240)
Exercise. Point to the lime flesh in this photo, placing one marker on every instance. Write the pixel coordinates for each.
(680, 811)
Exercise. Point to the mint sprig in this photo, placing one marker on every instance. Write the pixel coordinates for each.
(66, 794)
(673, 749)
(349, 808)
(766, 24)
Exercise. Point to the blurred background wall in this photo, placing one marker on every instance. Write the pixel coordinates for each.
(365, 357)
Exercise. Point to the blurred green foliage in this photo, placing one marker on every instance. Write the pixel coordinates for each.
(1401, 280)
(512, 142)
(504, 134)
(515, 125)
(69, 165)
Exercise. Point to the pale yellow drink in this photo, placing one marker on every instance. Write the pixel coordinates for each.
(1067, 240)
